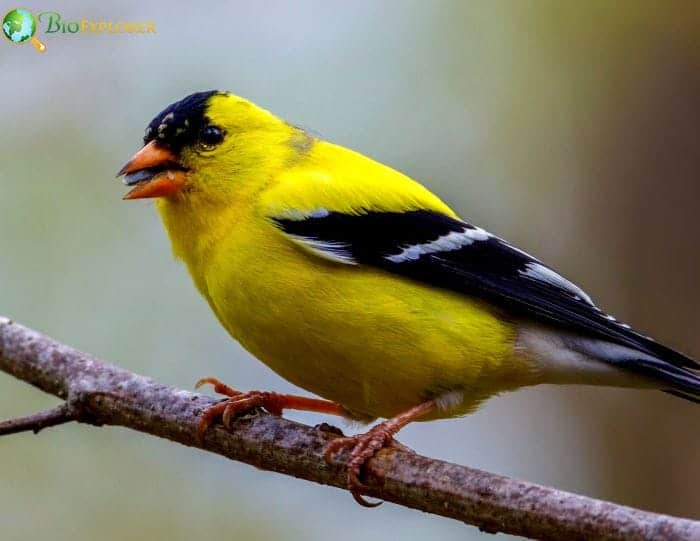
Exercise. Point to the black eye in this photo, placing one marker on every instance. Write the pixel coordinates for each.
(210, 136)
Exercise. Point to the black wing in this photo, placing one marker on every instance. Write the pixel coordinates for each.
(445, 252)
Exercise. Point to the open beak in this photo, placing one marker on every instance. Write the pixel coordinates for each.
(154, 171)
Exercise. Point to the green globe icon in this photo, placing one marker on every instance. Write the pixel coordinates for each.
(19, 26)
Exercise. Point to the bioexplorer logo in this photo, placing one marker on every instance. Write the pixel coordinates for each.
(20, 25)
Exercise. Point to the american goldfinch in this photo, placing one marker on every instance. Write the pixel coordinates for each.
(353, 281)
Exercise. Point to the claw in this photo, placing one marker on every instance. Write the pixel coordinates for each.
(366, 446)
(355, 485)
(235, 406)
(219, 387)
(226, 416)
(208, 417)
(336, 445)
(203, 382)
(359, 498)
(239, 402)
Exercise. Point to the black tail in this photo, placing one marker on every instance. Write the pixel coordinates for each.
(676, 374)
(673, 379)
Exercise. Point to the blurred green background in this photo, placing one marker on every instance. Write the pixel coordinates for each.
(570, 129)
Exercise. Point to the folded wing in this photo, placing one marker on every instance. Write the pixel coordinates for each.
(448, 253)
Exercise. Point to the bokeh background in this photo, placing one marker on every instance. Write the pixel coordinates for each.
(569, 128)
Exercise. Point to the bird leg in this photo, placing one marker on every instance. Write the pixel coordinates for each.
(366, 446)
(239, 402)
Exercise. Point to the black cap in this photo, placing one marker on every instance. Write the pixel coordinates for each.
(178, 125)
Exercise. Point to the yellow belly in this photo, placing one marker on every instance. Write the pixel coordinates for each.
(372, 341)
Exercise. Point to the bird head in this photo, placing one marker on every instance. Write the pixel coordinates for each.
(202, 144)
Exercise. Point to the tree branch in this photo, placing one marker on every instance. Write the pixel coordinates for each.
(99, 393)
(39, 421)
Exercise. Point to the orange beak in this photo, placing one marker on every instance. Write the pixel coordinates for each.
(154, 172)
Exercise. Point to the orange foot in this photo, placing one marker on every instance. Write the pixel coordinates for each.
(239, 402)
(366, 446)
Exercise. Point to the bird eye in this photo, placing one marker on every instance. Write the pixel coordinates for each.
(210, 137)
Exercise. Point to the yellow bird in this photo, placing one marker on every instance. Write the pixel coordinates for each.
(355, 282)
